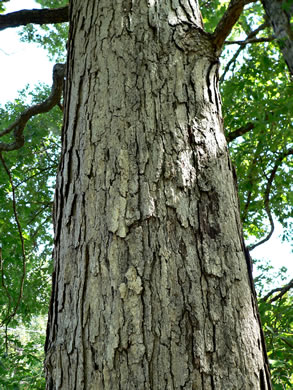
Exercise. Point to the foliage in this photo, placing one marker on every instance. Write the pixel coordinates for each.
(33, 170)
(21, 359)
(256, 90)
(52, 3)
(212, 11)
(51, 37)
(277, 321)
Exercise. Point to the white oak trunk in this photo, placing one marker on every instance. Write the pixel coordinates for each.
(151, 288)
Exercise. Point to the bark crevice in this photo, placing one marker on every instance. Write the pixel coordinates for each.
(149, 263)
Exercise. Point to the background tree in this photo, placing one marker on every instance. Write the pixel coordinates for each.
(258, 156)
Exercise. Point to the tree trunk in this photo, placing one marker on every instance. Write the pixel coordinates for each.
(279, 13)
(151, 288)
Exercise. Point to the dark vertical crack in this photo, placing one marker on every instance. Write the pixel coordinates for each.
(213, 383)
(83, 319)
(262, 383)
(210, 82)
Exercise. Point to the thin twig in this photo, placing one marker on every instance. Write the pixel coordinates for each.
(272, 227)
(278, 163)
(9, 317)
(286, 342)
(40, 172)
(40, 211)
(253, 40)
(282, 291)
(6, 339)
(250, 36)
(233, 60)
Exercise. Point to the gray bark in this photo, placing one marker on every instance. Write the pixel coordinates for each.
(151, 288)
(279, 13)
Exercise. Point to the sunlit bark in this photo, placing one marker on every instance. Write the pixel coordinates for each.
(151, 287)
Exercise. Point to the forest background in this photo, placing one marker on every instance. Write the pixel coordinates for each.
(257, 107)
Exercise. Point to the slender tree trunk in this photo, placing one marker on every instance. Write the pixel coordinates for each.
(151, 288)
(279, 13)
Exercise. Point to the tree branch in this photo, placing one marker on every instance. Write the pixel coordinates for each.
(250, 36)
(238, 132)
(278, 162)
(233, 60)
(253, 40)
(282, 291)
(19, 125)
(36, 16)
(40, 172)
(269, 214)
(286, 342)
(229, 19)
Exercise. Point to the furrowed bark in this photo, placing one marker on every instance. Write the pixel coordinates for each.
(151, 287)
(279, 14)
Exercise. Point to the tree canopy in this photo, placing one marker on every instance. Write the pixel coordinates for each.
(256, 86)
